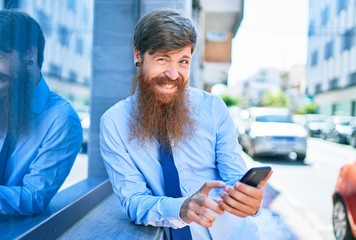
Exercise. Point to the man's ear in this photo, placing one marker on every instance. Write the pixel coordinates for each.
(31, 55)
(137, 56)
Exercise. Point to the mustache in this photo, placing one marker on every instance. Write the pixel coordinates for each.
(179, 81)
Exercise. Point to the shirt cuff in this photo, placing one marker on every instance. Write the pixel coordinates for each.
(172, 209)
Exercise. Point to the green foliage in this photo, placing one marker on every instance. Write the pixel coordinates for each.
(275, 100)
(310, 108)
(230, 101)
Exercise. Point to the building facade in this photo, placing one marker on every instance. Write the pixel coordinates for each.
(218, 22)
(331, 68)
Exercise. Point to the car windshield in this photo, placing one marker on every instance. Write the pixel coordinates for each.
(344, 123)
(274, 118)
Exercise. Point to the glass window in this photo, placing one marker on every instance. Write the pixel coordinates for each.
(63, 35)
(341, 5)
(311, 28)
(45, 21)
(348, 39)
(58, 67)
(325, 16)
(314, 58)
(329, 50)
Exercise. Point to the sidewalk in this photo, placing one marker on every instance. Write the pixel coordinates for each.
(279, 220)
(270, 222)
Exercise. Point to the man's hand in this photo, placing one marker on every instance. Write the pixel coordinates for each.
(243, 200)
(195, 208)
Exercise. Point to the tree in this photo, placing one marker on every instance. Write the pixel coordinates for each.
(230, 101)
(310, 108)
(275, 100)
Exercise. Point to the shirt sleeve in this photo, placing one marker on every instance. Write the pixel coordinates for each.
(48, 170)
(130, 185)
(230, 163)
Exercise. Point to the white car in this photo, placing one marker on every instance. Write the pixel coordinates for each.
(271, 131)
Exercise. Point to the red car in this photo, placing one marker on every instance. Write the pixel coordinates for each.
(344, 201)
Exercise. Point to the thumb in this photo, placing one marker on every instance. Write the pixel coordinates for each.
(264, 181)
(205, 189)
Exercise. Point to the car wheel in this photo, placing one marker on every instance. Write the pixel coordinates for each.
(340, 139)
(251, 151)
(300, 157)
(84, 148)
(353, 141)
(342, 229)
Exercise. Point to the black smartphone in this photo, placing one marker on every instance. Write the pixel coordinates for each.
(255, 175)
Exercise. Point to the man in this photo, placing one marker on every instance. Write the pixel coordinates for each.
(40, 133)
(165, 116)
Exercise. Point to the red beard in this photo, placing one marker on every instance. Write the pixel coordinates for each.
(165, 117)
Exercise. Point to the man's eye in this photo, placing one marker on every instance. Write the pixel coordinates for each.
(161, 59)
(184, 62)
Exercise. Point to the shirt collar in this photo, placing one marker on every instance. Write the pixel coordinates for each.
(41, 95)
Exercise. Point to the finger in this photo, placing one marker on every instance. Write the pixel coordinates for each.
(237, 199)
(234, 207)
(213, 205)
(205, 214)
(200, 220)
(205, 189)
(265, 180)
(244, 193)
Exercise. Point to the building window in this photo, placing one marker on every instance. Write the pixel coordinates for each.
(72, 76)
(348, 39)
(54, 70)
(334, 83)
(352, 78)
(325, 16)
(71, 5)
(79, 48)
(63, 35)
(314, 58)
(329, 50)
(341, 5)
(317, 88)
(311, 28)
(45, 22)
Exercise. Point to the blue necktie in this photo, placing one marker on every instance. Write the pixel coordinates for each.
(172, 189)
(4, 154)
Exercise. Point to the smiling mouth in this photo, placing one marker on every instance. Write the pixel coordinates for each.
(168, 85)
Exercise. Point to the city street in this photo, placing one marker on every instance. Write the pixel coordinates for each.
(308, 187)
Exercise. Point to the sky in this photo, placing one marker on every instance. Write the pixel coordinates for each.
(273, 34)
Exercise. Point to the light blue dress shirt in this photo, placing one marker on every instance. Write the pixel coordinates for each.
(213, 153)
(42, 159)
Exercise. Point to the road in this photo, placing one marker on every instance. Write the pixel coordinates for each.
(308, 187)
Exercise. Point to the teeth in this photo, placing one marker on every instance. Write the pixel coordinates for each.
(168, 86)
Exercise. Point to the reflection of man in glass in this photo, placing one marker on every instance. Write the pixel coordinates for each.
(40, 133)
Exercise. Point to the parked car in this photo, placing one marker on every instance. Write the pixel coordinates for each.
(336, 128)
(344, 203)
(314, 123)
(351, 136)
(84, 117)
(85, 125)
(271, 131)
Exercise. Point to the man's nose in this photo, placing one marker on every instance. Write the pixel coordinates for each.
(172, 72)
